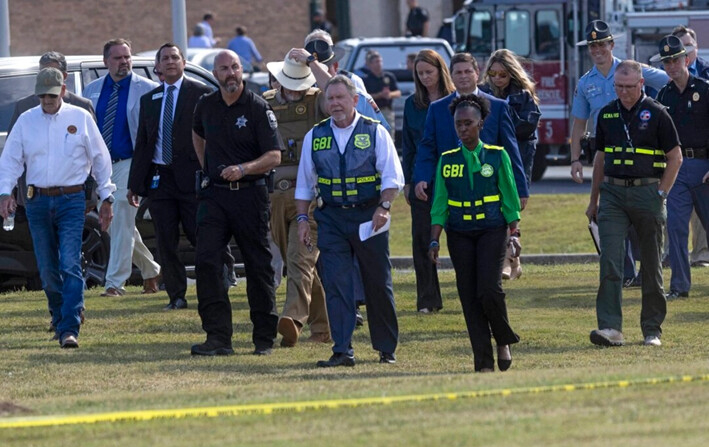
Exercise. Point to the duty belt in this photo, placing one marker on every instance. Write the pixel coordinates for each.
(235, 186)
(631, 181)
(57, 190)
(367, 204)
(694, 152)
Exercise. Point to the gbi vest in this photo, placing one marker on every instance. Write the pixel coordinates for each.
(641, 158)
(350, 178)
(295, 119)
(477, 206)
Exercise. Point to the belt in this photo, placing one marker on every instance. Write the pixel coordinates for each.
(58, 190)
(116, 160)
(366, 204)
(235, 186)
(694, 152)
(631, 181)
(285, 184)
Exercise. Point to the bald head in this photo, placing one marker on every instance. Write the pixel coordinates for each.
(228, 71)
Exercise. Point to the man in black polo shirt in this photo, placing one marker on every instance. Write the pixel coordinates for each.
(687, 99)
(417, 20)
(381, 85)
(636, 163)
(237, 142)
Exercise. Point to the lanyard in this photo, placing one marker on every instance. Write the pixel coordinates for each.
(629, 140)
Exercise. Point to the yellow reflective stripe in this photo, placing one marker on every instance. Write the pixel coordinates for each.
(467, 217)
(645, 151)
(659, 165)
(350, 180)
(629, 150)
(351, 192)
(495, 198)
(480, 216)
(337, 193)
(378, 187)
(367, 179)
(466, 203)
(336, 181)
(324, 181)
(478, 202)
(628, 162)
(455, 203)
(618, 149)
(616, 162)
(608, 149)
(659, 152)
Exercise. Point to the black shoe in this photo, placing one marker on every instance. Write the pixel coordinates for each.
(633, 282)
(337, 359)
(386, 357)
(169, 306)
(673, 295)
(359, 319)
(180, 303)
(210, 348)
(262, 351)
(504, 364)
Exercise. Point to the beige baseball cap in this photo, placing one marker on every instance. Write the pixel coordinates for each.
(49, 82)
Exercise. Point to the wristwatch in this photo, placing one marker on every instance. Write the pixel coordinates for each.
(385, 205)
(662, 193)
(110, 199)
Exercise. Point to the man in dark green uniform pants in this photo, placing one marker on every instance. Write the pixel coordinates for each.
(636, 163)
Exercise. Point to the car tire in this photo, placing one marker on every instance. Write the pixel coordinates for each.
(95, 250)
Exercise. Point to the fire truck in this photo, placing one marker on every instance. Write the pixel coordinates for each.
(544, 33)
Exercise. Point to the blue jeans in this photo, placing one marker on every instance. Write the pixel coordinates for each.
(56, 224)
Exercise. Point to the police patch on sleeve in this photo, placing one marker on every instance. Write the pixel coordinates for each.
(272, 119)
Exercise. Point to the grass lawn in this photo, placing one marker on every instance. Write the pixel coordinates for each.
(551, 223)
(134, 356)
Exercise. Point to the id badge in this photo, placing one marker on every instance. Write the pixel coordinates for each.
(156, 181)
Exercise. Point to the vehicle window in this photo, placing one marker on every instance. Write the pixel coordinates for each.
(480, 35)
(459, 32)
(547, 34)
(13, 89)
(199, 78)
(517, 32)
(394, 58)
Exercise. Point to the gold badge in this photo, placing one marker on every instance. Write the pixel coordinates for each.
(300, 109)
(71, 129)
(695, 97)
(593, 35)
(667, 49)
(30, 191)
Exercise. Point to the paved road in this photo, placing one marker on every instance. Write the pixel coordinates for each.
(557, 180)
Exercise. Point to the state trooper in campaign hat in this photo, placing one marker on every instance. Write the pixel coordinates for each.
(670, 48)
(597, 31)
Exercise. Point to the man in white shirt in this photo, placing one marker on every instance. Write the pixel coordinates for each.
(363, 192)
(60, 144)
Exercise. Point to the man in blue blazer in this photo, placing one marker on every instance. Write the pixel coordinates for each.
(439, 132)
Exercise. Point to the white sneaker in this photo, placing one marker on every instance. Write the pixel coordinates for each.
(652, 340)
(607, 337)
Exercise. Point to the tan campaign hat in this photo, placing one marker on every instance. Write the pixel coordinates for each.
(49, 82)
(291, 74)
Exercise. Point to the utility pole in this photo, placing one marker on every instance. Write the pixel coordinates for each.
(4, 28)
(179, 24)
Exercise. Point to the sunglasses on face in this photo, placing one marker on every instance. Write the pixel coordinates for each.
(495, 74)
(49, 95)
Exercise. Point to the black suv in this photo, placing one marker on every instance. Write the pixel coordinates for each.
(18, 266)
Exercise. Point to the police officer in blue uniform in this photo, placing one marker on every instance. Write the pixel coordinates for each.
(636, 162)
(352, 163)
(687, 99)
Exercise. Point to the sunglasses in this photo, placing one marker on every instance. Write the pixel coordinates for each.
(495, 74)
(50, 95)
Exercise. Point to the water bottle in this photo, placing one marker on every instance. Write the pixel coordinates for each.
(9, 223)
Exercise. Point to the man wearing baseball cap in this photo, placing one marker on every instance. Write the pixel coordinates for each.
(55, 197)
(296, 105)
(687, 99)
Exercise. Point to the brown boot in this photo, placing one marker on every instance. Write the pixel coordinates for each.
(290, 331)
(319, 337)
(150, 285)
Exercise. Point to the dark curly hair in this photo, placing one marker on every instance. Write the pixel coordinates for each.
(475, 101)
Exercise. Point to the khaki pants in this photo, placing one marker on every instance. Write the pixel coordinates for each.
(305, 297)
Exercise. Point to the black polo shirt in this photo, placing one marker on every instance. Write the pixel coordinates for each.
(375, 84)
(689, 111)
(649, 126)
(235, 133)
(416, 19)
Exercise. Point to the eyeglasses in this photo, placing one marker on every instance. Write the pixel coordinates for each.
(495, 74)
(50, 95)
(626, 86)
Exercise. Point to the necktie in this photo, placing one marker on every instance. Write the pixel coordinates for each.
(110, 117)
(167, 127)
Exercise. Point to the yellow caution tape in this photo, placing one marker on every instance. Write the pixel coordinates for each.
(289, 407)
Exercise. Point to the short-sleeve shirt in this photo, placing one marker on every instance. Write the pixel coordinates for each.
(415, 21)
(376, 84)
(594, 91)
(236, 133)
(689, 111)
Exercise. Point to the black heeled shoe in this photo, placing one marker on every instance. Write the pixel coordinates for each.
(504, 364)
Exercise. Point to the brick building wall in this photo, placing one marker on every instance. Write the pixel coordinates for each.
(82, 26)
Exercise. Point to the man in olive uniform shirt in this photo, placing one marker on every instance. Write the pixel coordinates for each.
(296, 106)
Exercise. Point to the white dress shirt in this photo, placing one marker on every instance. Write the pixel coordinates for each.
(387, 164)
(58, 150)
(157, 155)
